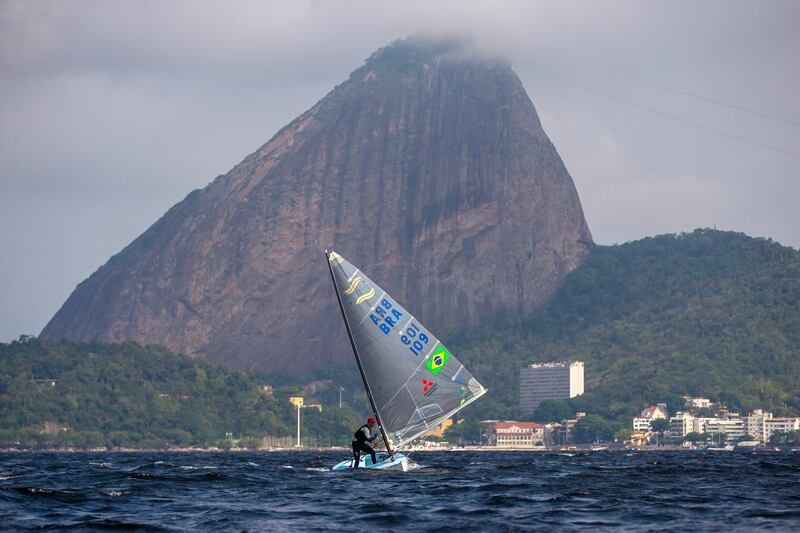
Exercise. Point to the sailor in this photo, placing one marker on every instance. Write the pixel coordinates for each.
(364, 434)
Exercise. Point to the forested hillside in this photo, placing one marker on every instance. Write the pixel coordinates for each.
(709, 313)
(55, 394)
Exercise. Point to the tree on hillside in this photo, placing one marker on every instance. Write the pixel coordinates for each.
(696, 437)
(623, 435)
(592, 428)
(785, 437)
(659, 425)
(465, 431)
(552, 411)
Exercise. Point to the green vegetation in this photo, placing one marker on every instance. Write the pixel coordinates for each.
(696, 437)
(467, 431)
(791, 438)
(593, 428)
(659, 425)
(709, 313)
(87, 395)
(552, 411)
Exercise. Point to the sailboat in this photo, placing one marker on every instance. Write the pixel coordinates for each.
(412, 381)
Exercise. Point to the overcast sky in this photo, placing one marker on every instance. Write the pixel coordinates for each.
(669, 115)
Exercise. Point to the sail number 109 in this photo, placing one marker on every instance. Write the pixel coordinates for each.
(414, 338)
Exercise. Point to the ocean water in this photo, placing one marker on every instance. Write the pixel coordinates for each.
(486, 491)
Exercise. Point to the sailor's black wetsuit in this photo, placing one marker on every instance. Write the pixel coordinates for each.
(360, 445)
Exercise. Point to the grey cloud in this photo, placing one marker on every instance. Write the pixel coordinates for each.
(110, 112)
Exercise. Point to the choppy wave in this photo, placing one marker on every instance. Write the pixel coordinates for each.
(286, 491)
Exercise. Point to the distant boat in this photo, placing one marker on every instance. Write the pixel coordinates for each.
(747, 445)
(726, 448)
(412, 381)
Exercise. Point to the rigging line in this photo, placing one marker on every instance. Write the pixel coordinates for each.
(725, 104)
(405, 384)
(450, 413)
(668, 114)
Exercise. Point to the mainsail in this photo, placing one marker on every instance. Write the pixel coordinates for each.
(413, 381)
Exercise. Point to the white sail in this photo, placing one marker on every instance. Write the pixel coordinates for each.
(415, 382)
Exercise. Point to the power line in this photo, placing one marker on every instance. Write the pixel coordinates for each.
(655, 109)
(726, 104)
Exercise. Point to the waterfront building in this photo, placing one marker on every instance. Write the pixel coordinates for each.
(681, 424)
(755, 424)
(732, 428)
(759, 425)
(653, 412)
(511, 434)
(783, 425)
(639, 438)
(565, 434)
(549, 381)
(700, 424)
(552, 433)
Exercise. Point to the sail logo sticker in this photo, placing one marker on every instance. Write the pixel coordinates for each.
(367, 296)
(437, 360)
(428, 387)
(353, 286)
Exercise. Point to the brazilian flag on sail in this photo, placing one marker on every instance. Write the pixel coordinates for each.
(437, 360)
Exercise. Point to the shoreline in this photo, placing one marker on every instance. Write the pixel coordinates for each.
(460, 449)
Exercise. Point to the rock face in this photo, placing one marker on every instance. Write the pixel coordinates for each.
(428, 169)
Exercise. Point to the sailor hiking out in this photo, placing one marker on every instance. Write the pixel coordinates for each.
(364, 435)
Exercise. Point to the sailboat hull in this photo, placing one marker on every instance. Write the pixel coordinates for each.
(397, 462)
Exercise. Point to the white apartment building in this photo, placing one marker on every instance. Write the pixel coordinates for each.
(642, 423)
(549, 381)
(690, 402)
(761, 425)
(784, 425)
(732, 428)
(755, 424)
(684, 423)
(700, 424)
(681, 424)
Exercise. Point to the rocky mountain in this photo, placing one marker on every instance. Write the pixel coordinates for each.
(428, 168)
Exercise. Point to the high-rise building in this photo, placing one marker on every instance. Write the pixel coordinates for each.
(549, 381)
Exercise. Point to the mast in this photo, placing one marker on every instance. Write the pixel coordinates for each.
(358, 359)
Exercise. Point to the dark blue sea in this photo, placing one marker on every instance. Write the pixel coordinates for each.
(488, 491)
